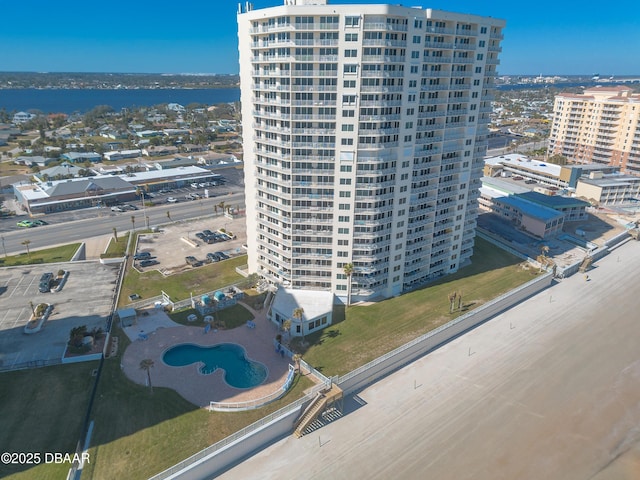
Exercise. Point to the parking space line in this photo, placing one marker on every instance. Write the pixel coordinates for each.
(17, 358)
(5, 317)
(27, 289)
(18, 318)
(17, 285)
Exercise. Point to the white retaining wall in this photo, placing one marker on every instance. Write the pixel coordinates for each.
(411, 351)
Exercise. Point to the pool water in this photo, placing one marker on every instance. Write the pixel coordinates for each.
(239, 371)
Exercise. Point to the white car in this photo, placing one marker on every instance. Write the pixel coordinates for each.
(172, 200)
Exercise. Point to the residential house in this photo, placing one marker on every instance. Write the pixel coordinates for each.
(22, 117)
(81, 157)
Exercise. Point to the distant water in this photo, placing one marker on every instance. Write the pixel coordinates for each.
(559, 86)
(81, 101)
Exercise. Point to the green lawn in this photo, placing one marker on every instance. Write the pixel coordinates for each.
(43, 410)
(228, 318)
(48, 255)
(117, 249)
(138, 434)
(180, 286)
(371, 331)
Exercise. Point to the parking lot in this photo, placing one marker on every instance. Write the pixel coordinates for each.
(174, 242)
(86, 299)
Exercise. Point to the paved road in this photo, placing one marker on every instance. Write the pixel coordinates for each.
(103, 221)
(548, 390)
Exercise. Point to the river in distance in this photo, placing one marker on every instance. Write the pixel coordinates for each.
(83, 100)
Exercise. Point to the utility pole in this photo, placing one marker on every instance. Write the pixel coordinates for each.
(3, 247)
(144, 210)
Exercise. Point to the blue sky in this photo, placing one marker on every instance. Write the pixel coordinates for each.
(546, 37)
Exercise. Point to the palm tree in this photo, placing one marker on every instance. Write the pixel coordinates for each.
(297, 314)
(115, 234)
(296, 359)
(348, 271)
(543, 256)
(146, 365)
(452, 301)
(459, 300)
(133, 222)
(286, 326)
(169, 215)
(26, 244)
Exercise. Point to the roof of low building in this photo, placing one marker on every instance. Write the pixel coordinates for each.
(553, 201)
(315, 303)
(531, 209)
(522, 162)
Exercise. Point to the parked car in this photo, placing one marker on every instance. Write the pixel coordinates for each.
(211, 239)
(193, 261)
(148, 262)
(25, 223)
(39, 222)
(200, 235)
(221, 255)
(211, 258)
(172, 200)
(46, 281)
(207, 233)
(142, 256)
(116, 208)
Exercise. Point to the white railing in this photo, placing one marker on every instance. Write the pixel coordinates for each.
(258, 402)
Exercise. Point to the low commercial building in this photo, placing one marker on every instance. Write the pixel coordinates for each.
(71, 194)
(521, 167)
(613, 189)
(573, 209)
(533, 212)
(531, 218)
(154, 180)
(103, 190)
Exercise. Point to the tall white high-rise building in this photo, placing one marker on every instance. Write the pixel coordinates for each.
(364, 131)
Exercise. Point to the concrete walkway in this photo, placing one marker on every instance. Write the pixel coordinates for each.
(187, 381)
(548, 390)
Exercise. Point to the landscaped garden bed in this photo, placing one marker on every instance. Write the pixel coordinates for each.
(39, 316)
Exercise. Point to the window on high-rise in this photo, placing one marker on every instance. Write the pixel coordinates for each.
(352, 21)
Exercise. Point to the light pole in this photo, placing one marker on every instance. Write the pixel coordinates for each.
(144, 210)
(3, 247)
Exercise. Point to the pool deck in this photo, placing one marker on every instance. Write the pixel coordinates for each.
(187, 381)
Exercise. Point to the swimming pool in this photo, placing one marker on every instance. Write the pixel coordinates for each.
(239, 371)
